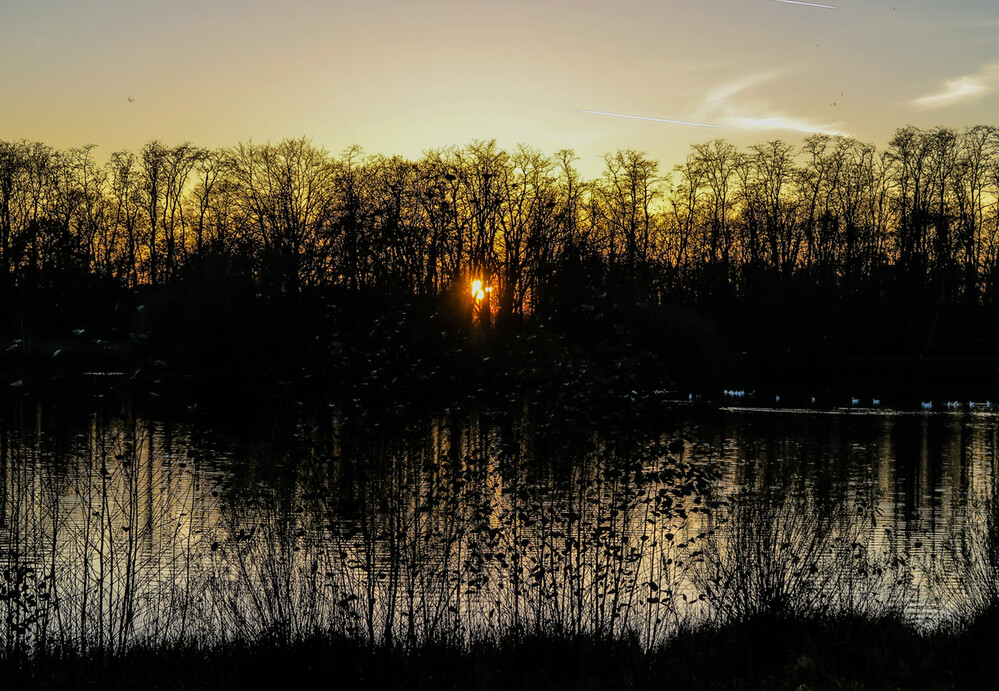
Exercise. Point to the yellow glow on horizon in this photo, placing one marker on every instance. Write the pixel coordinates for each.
(402, 78)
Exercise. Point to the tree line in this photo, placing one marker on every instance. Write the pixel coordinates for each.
(916, 222)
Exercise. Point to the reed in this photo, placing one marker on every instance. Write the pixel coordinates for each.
(97, 557)
(513, 537)
(784, 555)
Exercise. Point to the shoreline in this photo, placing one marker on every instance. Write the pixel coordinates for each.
(781, 652)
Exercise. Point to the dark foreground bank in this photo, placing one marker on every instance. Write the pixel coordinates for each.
(381, 353)
(778, 653)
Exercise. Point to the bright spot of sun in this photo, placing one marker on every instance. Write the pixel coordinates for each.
(477, 291)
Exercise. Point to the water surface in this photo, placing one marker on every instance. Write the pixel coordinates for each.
(572, 515)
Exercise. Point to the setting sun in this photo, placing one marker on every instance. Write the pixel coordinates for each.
(479, 291)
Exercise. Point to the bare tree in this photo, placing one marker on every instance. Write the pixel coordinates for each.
(769, 189)
(979, 150)
(120, 241)
(285, 193)
(629, 192)
(212, 197)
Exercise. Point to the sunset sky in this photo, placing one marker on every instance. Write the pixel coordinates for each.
(399, 77)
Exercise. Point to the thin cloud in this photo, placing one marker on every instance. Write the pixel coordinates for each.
(723, 93)
(981, 25)
(730, 106)
(960, 89)
(780, 122)
(806, 4)
(644, 117)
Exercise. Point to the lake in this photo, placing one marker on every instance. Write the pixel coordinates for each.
(126, 519)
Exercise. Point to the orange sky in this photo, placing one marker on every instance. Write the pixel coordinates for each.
(402, 77)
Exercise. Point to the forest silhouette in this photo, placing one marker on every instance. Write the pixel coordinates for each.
(278, 253)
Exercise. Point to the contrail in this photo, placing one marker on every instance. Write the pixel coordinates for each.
(807, 4)
(642, 117)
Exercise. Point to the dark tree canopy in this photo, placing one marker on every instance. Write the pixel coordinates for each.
(828, 225)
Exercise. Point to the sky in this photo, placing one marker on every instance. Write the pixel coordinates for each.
(405, 76)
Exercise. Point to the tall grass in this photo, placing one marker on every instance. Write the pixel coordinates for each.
(465, 537)
(98, 539)
(451, 531)
(973, 597)
(788, 555)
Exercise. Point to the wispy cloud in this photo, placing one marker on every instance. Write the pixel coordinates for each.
(960, 89)
(780, 122)
(719, 96)
(733, 105)
(806, 4)
(979, 24)
(645, 117)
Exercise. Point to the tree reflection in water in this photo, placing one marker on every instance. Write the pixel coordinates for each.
(482, 521)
